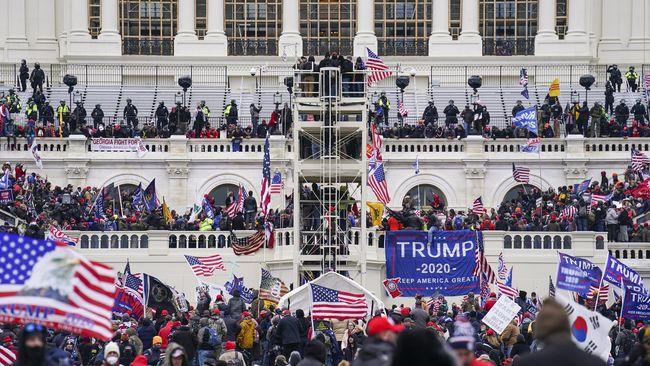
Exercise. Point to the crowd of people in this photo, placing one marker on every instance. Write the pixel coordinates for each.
(430, 332)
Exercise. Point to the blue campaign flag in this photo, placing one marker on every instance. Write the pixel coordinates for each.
(150, 198)
(238, 284)
(577, 274)
(207, 208)
(526, 119)
(616, 271)
(444, 265)
(636, 304)
(582, 187)
(509, 278)
(138, 197)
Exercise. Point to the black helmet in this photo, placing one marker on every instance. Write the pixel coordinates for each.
(98, 105)
(37, 65)
(128, 100)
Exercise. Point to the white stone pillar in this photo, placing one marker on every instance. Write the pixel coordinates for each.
(546, 10)
(440, 19)
(79, 20)
(186, 11)
(365, 36)
(16, 28)
(109, 36)
(469, 35)
(290, 42)
(577, 19)
(46, 32)
(216, 36)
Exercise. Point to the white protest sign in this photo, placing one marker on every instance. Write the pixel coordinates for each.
(501, 314)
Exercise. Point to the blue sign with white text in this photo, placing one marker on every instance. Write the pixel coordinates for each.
(616, 271)
(527, 119)
(577, 274)
(445, 265)
(636, 304)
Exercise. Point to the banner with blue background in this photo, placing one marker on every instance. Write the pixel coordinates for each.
(636, 304)
(445, 265)
(577, 274)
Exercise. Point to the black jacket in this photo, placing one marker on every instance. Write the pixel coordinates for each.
(559, 355)
(184, 336)
(430, 114)
(288, 331)
(146, 334)
(375, 353)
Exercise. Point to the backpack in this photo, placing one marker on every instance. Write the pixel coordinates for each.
(458, 222)
(212, 336)
(235, 362)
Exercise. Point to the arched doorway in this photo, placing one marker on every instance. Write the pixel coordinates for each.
(423, 194)
(220, 192)
(513, 193)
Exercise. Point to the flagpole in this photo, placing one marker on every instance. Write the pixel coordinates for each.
(620, 313)
(119, 194)
(600, 284)
(311, 311)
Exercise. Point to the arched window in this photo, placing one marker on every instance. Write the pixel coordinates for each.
(220, 192)
(513, 193)
(422, 195)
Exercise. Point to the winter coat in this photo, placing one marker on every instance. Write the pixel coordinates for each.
(233, 328)
(246, 335)
(146, 333)
(288, 331)
(235, 307)
(186, 338)
(509, 335)
(168, 355)
(559, 355)
(375, 353)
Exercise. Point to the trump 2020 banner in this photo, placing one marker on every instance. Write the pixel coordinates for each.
(51, 284)
(616, 272)
(127, 303)
(636, 302)
(445, 265)
(577, 274)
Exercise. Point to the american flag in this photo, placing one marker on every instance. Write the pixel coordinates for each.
(271, 288)
(523, 81)
(639, 160)
(249, 244)
(402, 109)
(134, 283)
(569, 212)
(377, 181)
(39, 273)
(551, 287)
(7, 356)
(376, 143)
(377, 67)
(520, 174)
(276, 183)
(482, 265)
(477, 206)
(237, 206)
(205, 266)
(57, 235)
(593, 293)
(266, 178)
(597, 198)
(268, 234)
(502, 270)
(334, 304)
(506, 290)
(485, 289)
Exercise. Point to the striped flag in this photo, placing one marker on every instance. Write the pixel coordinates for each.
(205, 266)
(401, 109)
(604, 293)
(237, 206)
(502, 270)
(7, 356)
(477, 206)
(249, 244)
(57, 235)
(134, 283)
(377, 142)
(551, 287)
(597, 198)
(377, 67)
(506, 290)
(377, 181)
(43, 274)
(482, 265)
(520, 174)
(639, 161)
(523, 81)
(569, 212)
(276, 183)
(330, 303)
(266, 178)
(271, 288)
(485, 289)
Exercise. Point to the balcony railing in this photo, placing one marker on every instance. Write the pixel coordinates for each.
(253, 47)
(508, 47)
(158, 47)
(403, 47)
(320, 47)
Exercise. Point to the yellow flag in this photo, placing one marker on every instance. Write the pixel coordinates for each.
(554, 89)
(167, 214)
(376, 212)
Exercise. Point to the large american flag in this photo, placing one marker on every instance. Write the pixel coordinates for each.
(7, 356)
(276, 183)
(377, 181)
(477, 206)
(569, 212)
(134, 284)
(597, 198)
(43, 274)
(520, 174)
(506, 290)
(639, 160)
(329, 303)
(482, 265)
(271, 288)
(205, 266)
(377, 142)
(237, 206)
(377, 67)
(249, 244)
(266, 178)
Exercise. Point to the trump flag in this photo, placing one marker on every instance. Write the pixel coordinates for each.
(51, 284)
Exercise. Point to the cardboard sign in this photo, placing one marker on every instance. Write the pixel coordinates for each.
(501, 314)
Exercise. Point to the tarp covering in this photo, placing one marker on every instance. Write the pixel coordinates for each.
(300, 298)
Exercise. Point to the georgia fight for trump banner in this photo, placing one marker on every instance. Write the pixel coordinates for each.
(445, 265)
(577, 274)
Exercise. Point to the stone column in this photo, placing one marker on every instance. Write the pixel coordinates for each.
(577, 19)
(469, 35)
(78, 21)
(546, 20)
(46, 32)
(216, 35)
(109, 37)
(440, 19)
(186, 11)
(16, 28)
(365, 36)
(290, 42)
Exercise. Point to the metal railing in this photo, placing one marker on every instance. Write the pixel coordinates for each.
(403, 47)
(320, 47)
(309, 84)
(508, 47)
(160, 47)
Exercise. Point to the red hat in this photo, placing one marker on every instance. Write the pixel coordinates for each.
(490, 332)
(230, 345)
(246, 314)
(286, 312)
(216, 312)
(492, 294)
(164, 313)
(6, 339)
(381, 324)
(140, 360)
(405, 311)
(219, 298)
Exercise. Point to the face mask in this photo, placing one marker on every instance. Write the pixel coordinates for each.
(111, 360)
(156, 346)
